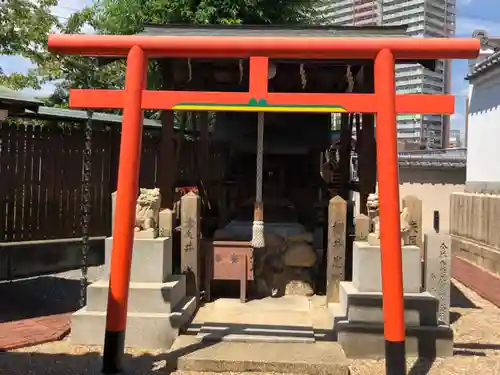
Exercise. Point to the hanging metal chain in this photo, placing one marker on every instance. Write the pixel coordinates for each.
(85, 209)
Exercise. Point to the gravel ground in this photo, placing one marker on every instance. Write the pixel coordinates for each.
(477, 349)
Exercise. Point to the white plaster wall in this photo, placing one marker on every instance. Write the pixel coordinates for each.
(483, 149)
(434, 187)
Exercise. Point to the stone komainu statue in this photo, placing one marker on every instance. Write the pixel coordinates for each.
(147, 210)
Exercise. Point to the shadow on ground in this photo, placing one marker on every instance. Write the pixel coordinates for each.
(90, 362)
(24, 363)
(36, 297)
(459, 300)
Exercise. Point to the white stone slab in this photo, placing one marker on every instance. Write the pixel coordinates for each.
(367, 268)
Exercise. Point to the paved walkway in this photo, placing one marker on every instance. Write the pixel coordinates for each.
(34, 331)
(38, 310)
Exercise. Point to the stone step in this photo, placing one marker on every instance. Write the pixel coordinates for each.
(421, 309)
(144, 330)
(285, 319)
(422, 342)
(316, 359)
(250, 333)
(143, 297)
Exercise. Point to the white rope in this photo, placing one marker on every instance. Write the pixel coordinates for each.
(258, 226)
(260, 157)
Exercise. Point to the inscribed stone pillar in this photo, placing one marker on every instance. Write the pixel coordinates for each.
(362, 227)
(437, 274)
(190, 242)
(414, 206)
(166, 223)
(337, 215)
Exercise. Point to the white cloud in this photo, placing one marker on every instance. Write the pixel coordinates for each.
(18, 64)
(458, 121)
(66, 8)
(466, 25)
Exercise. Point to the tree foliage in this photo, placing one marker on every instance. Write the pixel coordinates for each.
(24, 28)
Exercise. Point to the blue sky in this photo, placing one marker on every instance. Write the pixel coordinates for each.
(471, 15)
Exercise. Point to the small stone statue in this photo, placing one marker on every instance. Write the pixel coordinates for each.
(373, 205)
(404, 221)
(147, 213)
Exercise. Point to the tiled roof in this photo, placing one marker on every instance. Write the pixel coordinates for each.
(63, 114)
(274, 30)
(488, 63)
(11, 97)
(443, 158)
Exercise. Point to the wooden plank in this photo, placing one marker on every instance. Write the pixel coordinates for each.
(5, 173)
(11, 197)
(77, 180)
(36, 181)
(97, 182)
(106, 193)
(74, 183)
(28, 217)
(65, 184)
(19, 182)
(56, 196)
(47, 181)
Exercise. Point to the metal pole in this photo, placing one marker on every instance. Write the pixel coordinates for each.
(123, 233)
(390, 238)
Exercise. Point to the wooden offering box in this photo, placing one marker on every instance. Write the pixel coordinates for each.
(229, 260)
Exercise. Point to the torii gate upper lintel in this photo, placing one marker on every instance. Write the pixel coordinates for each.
(383, 102)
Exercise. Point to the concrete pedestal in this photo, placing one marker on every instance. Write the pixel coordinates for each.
(157, 305)
(359, 319)
(366, 268)
(358, 307)
(151, 259)
(365, 340)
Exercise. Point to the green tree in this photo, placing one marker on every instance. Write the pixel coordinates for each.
(24, 27)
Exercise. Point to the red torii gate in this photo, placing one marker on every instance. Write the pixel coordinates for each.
(384, 103)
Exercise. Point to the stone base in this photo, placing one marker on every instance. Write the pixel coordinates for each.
(146, 234)
(366, 268)
(421, 309)
(151, 259)
(144, 330)
(365, 340)
(159, 298)
(258, 358)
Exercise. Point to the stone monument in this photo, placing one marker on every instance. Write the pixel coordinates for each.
(358, 314)
(157, 305)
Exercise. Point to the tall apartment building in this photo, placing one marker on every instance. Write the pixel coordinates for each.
(424, 18)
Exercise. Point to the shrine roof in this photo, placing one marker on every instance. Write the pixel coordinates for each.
(274, 30)
(441, 158)
(489, 63)
(10, 97)
(74, 115)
